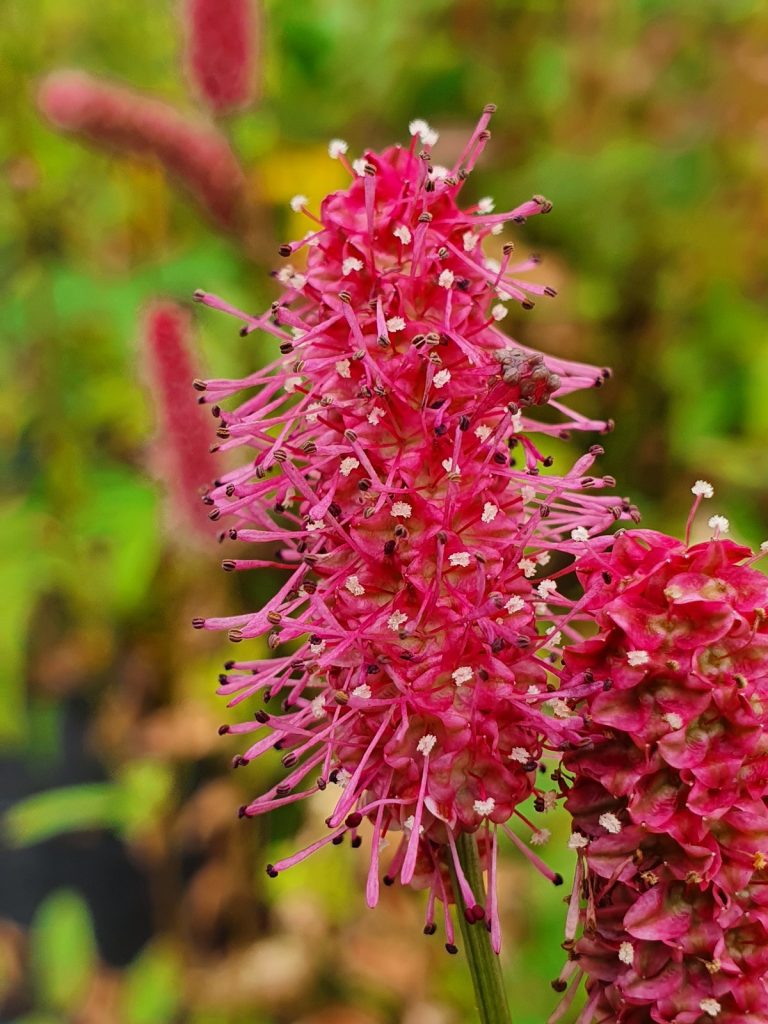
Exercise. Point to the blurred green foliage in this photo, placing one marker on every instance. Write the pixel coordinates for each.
(645, 123)
(63, 951)
(131, 803)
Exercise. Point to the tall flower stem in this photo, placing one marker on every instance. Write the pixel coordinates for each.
(490, 995)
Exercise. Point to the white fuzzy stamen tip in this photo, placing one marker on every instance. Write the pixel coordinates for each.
(348, 464)
(462, 675)
(354, 586)
(540, 837)
(610, 823)
(336, 148)
(580, 533)
(560, 709)
(420, 127)
(460, 558)
(703, 489)
(363, 691)
(350, 265)
(441, 378)
(446, 279)
(298, 203)
(710, 1006)
(637, 658)
(527, 567)
(719, 523)
(395, 324)
(626, 953)
(426, 744)
(490, 511)
(577, 841)
(499, 311)
(396, 620)
(520, 754)
(484, 807)
(401, 509)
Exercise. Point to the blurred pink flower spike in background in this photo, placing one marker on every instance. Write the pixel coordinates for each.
(221, 43)
(222, 65)
(182, 455)
(378, 463)
(114, 117)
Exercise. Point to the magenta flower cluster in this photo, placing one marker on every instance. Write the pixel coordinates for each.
(427, 651)
(670, 780)
(390, 458)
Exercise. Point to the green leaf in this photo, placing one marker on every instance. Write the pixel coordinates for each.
(63, 950)
(68, 809)
(548, 78)
(152, 989)
(143, 791)
(129, 805)
(39, 1018)
(24, 573)
(120, 522)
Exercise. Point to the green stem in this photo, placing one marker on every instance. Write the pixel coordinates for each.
(490, 995)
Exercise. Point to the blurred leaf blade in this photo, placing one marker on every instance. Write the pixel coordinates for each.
(151, 991)
(63, 950)
(60, 811)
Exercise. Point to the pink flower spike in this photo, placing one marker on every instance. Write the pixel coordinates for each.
(221, 37)
(669, 785)
(388, 452)
(185, 463)
(116, 118)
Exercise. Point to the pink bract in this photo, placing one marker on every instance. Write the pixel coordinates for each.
(390, 466)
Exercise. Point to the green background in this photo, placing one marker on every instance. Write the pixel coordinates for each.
(131, 892)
